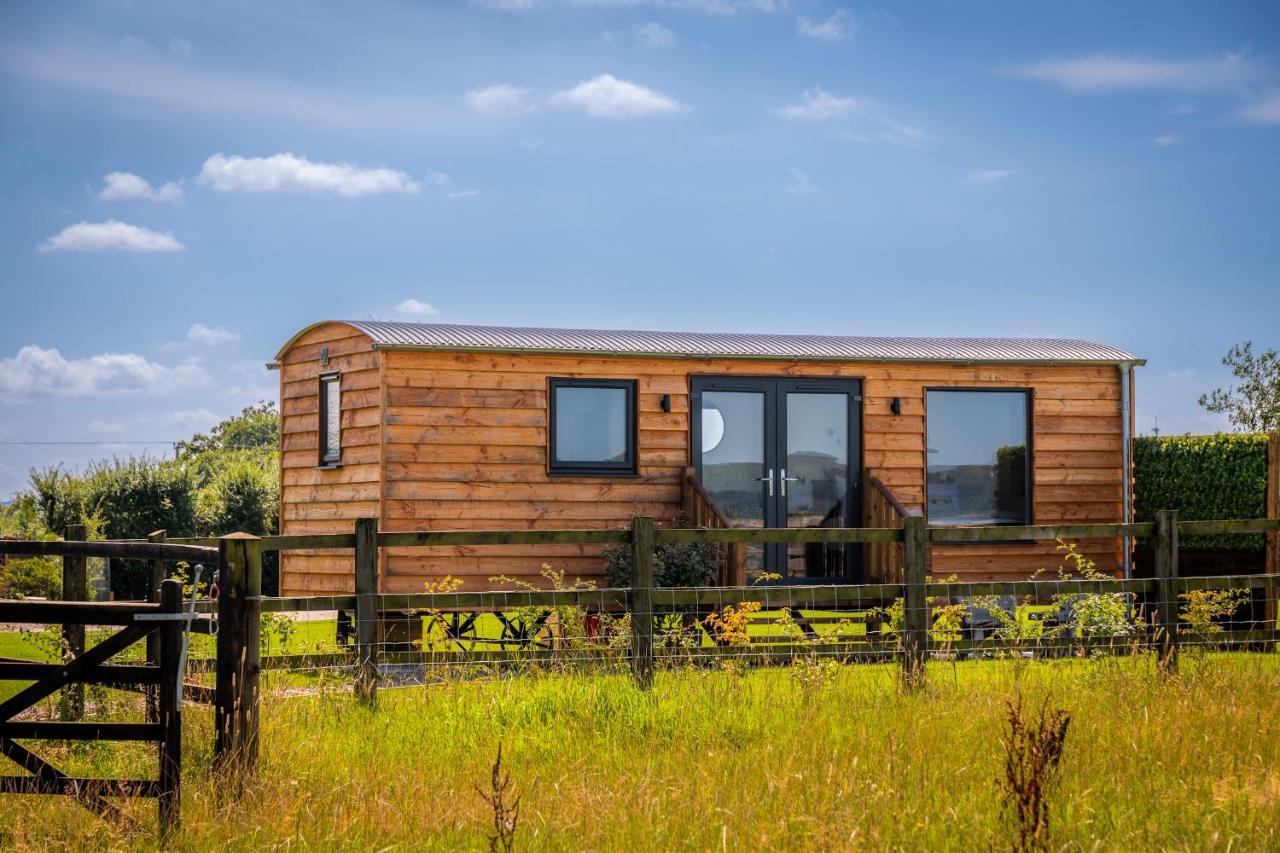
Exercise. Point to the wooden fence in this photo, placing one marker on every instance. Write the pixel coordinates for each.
(240, 604)
(137, 621)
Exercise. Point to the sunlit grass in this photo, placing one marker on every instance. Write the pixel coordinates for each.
(724, 760)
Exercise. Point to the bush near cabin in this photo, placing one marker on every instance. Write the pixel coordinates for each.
(1203, 477)
(222, 482)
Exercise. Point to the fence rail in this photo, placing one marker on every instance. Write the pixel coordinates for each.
(641, 627)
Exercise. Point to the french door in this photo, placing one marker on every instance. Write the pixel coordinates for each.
(782, 453)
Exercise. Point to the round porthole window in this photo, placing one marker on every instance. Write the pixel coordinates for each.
(712, 427)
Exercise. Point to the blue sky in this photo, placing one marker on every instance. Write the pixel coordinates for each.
(188, 183)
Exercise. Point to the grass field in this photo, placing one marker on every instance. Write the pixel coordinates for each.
(837, 758)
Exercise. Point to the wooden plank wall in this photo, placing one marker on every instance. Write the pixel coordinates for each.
(327, 500)
(466, 437)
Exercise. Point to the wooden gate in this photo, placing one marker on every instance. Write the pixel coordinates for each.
(136, 621)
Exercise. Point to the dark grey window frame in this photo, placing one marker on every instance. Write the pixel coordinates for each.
(1029, 396)
(626, 468)
(329, 459)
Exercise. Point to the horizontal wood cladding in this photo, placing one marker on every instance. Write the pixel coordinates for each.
(317, 499)
(458, 441)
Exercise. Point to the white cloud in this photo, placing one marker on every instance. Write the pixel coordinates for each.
(166, 86)
(1164, 140)
(988, 176)
(502, 100)
(1102, 73)
(101, 426)
(289, 173)
(109, 235)
(1266, 111)
(212, 336)
(897, 133)
(447, 187)
(839, 27)
(190, 418)
(122, 186)
(817, 105)
(1181, 374)
(414, 308)
(36, 371)
(799, 184)
(654, 35)
(606, 96)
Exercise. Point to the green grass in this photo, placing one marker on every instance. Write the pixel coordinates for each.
(723, 760)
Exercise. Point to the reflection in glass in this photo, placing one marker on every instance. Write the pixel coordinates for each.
(733, 465)
(977, 470)
(333, 419)
(591, 424)
(817, 483)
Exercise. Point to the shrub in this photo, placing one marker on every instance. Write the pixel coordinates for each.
(243, 496)
(673, 565)
(39, 576)
(1203, 477)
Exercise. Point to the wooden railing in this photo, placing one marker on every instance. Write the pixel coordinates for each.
(701, 511)
(882, 561)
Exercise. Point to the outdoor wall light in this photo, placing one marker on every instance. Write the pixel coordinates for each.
(666, 403)
(895, 405)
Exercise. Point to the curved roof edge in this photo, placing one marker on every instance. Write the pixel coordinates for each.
(440, 336)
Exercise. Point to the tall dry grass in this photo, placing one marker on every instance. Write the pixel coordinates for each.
(775, 759)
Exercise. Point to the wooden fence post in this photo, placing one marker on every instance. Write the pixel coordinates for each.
(640, 600)
(915, 605)
(239, 627)
(366, 681)
(1166, 557)
(169, 705)
(75, 587)
(155, 576)
(1272, 564)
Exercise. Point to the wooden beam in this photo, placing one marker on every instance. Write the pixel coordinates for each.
(116, 550)
(640, 601)
(75, 587)
(366, 582)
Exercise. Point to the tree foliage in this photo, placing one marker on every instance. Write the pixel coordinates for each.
(1254, 403)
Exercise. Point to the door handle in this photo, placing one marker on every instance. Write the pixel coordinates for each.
(785, 479)
(768, 478)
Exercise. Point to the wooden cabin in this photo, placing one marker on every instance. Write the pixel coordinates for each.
(446, 427)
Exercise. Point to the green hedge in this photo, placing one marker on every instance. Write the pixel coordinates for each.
(1203, 477)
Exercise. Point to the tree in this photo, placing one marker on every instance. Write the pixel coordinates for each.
(1253, 404)
(255, 428)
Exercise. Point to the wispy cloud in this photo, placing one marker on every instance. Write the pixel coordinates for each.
(1266, 111)
(414, 308)
(446, 186)
(125, 186)
(654, 36)
(290, 173)
(173, 87)
(839, 27)
(817, 105)
(989, 176)
(36, 371)
(107, 236)
(1181, 374)
(798, 183)
(501, 101)
(210, 335)
(1104, 73)
(606, 96)
(1164, 140)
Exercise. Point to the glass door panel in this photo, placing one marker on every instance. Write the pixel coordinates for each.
(814, 482)
(735, 469)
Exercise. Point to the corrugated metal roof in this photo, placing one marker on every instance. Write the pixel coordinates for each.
(392, 335)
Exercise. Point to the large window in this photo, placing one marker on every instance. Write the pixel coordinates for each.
(593, 426)
(330, 419)
(978, 470)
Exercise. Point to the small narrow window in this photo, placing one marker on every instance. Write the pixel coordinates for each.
(978, 462)
(593, 426)
(330, 419)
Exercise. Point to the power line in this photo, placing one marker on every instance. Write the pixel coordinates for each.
(82, 443)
